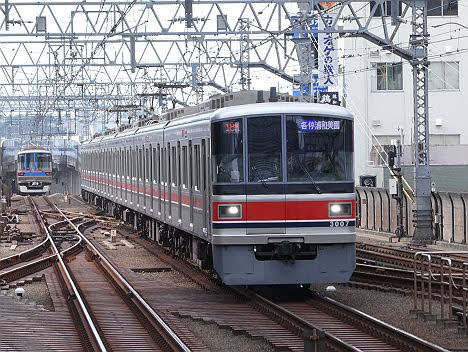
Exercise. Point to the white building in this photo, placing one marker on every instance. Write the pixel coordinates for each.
(379, 85)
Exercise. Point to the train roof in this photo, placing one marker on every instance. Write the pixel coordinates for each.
(232, 112)
(281, 108)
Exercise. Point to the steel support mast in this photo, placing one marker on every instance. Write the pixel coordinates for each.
(422, 172)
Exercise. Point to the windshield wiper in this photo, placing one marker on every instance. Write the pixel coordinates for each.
(256, 174)
(317, 188)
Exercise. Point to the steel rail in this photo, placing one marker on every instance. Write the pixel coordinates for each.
(92, 332)
(291, 321)
(169, 335)
(26, 255)
(27, 269)
(397, 335)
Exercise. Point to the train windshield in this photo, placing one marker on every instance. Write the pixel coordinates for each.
(319, 149)
(264, 148)
(228, 151)
(35, 161)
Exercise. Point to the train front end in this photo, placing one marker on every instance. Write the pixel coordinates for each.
(34, 172)
(283, 204)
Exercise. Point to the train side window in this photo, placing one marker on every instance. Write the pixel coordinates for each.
(140, 165)
(196, 169)
(190, 172)
(168, 163)
(154, 162)
(127, 163)
(135, 164)
(158, 164)
(148, 164)
(162, 156)
(131, 170)
(184, 167)
(203, 165)
(179, 180)
(174, 166)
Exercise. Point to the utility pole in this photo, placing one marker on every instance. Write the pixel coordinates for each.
(422, 173)
(244, 27)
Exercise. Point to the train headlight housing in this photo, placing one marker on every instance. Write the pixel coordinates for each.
(230, 211)
(339, 209)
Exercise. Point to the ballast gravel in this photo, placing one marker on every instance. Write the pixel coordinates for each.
(394, 309)
(224, 340)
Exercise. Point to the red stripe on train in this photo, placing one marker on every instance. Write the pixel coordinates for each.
(292, 210)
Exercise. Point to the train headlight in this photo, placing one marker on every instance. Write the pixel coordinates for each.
(339, 209)
(230, 211)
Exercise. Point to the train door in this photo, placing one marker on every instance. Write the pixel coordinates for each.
(139, 177)
(131, 165)
(174, 184)
(148, 176)
(160, 178)
(198, 221)
(153, 179)
(167, 183)
(204, 187)
(121, 173)
(190, 182)
(179, 184)
(184, 185)
(146, 185)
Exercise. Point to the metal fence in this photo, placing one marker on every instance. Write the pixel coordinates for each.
(377, 211)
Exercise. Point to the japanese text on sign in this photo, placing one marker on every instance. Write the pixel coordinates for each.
(328, 54)
(231, 127)
(313, 125)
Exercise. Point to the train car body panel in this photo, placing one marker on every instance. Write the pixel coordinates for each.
(267, 187)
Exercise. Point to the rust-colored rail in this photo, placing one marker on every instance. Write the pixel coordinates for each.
(157, 328)
(82, 317)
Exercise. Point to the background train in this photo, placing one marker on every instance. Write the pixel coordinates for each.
(34, 171)
(263, 193)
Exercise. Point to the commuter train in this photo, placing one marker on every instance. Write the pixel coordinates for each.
(262, 193)
(34, 171)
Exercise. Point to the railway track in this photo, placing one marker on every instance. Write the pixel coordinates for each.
(319, 321)
(111, 312)
(306, 322)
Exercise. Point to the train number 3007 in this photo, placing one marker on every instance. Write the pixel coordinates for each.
(339, 223)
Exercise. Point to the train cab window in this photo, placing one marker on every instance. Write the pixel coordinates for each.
(264, 149)
(227, 149)
(318, 149)
(44, 161)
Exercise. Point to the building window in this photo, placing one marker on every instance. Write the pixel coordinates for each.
(384, 9)
(444, 76)
(389, 76)
(442, 7)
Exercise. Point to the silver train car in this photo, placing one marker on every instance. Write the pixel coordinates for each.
(34, 171)
(261, 193)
